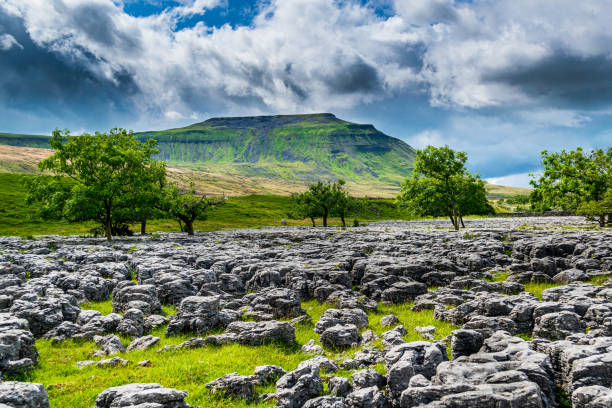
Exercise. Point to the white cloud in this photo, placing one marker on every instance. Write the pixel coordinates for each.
(512, 180)
(426, 138)
(316, 55)
(174, 115)
(7, 42)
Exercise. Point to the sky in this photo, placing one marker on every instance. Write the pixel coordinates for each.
(500, 80)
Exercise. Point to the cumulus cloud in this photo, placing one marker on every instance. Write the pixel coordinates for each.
(301, 55)
(501, 76)
(7, 42)
(516, 180)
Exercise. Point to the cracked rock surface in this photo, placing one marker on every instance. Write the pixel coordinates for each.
(510, 348)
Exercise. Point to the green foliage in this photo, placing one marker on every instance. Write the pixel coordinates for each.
(187, 207)
(344, 205)
(303, 206)
(105, 174)
(597, 210)
(518, 199)
(441, 186)
(571, 178)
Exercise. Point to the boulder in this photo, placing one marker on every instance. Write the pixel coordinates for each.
(340, 336)
(141, 395)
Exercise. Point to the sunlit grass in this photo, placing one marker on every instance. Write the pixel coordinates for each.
(190, 370)
(538, 287)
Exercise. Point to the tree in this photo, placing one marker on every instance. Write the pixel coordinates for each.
(441, 186)
(141, 201)
(343, 203)
(303, 205)
(102, 169)
(187, 207)
(323, 198)
(472, 197)
(571, 178)
(598, 209)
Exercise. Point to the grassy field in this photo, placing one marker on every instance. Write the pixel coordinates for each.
(191, 369)
(250, 211)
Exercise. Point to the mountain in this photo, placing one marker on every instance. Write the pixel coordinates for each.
(293, 148)
(290, 147)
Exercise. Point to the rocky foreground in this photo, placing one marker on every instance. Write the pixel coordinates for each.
(247, 286)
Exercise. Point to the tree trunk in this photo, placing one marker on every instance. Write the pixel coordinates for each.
(107, 224)
(602, 220)
(343, 222)
(189, 227)
(143, 227)
(181, 225)
(461, 219)
(455, 221)
(325, 214)
(313, 221)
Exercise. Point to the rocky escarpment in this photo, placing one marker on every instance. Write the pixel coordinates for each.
(510, 348)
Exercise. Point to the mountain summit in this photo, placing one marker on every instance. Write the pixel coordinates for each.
(291, 147)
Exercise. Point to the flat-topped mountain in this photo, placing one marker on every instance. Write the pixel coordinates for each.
(283, 147)
(292, 147)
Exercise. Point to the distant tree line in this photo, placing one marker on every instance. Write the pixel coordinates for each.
(111, 179)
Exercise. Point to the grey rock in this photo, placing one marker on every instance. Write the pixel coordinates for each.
(268, 373)
(339, 386)
(389, 320)
(279, 302)
(368, 378)
(370, 397)
(557, 326)
(234, 385)
(594, 396)
(325, 402)
(113, 362)
(256, 333)
(340, 336)
(465, 342)
(128, 295)
(298, 386)
(310, 347)
(108, 345)
(196, 314)
(333, 317)
(141, 395)
(142, 343)
(23, 395)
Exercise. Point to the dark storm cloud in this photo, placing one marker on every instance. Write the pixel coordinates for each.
(568, 80)
(95, 21)
(357, 76)
(43, 82)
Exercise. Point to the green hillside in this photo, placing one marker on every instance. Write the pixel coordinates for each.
(13, 139)
(290, 147)
(285, 147)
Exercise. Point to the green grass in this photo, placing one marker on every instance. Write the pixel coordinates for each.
(190, 370)
(104, 306)
(538, 287)
(252, 211)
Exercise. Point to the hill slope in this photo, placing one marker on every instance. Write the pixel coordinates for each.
(289, 147)
(284, 147)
